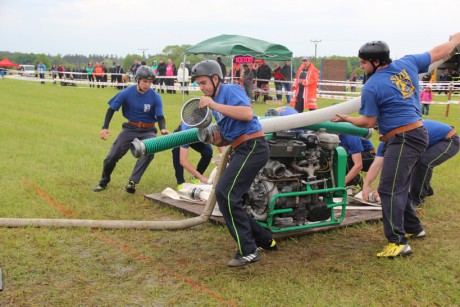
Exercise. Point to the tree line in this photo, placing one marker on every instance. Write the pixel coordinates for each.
(173, 52)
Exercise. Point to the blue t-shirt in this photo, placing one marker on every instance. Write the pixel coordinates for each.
(436, 133)
(230, 128)
(138, 107)
(355, 144)
(367, 144)
(393, 93)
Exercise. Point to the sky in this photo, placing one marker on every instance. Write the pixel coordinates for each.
(122, 27)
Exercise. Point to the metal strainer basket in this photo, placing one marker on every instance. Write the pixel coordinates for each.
(194, 116)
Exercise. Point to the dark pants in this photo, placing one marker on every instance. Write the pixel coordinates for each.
(99, 80)
(121, 146)
(433, 156)
(279, 87)
(119, 80)
(262, 85)
(206, 155)
(247, 160)
(299, 104)
(401, 153)
(91, 80)
(170, 83)
(161, 82)
(288, 88)
(425, 106)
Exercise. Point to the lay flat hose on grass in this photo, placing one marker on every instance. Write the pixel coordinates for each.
(124, 224)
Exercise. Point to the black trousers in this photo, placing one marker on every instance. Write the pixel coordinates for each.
(121, 146)
(247, 160)
(299, 104)
(435, 155)
(401, 153)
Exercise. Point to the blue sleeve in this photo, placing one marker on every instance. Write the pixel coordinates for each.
(116, 102)
(379, 152)
(423, 61)
(369, 106)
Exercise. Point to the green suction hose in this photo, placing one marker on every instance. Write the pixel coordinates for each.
(150, 146)
(341, 128)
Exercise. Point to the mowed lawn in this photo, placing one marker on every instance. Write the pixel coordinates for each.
(51, 157)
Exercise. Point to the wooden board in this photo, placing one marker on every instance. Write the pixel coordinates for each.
(190, 208)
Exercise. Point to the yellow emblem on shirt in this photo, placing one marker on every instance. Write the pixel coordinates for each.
(404, 83)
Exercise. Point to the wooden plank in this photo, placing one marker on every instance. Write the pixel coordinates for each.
(191, 208)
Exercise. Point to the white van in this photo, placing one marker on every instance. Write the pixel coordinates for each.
(27, 70)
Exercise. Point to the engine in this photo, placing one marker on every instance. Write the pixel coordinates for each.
(297, 184)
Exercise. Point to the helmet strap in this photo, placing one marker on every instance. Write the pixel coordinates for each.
(139, 87)
(214, 86)
(375, 68)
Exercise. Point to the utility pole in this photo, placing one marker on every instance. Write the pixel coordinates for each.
(316, 42)
(143, 51)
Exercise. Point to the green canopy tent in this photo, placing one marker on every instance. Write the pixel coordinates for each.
(232, 45)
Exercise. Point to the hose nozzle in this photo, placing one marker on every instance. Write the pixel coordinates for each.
(137, 148)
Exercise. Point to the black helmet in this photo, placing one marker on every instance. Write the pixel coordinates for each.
(145, 72)
(272, 112)
(375, 50)
(207, 68)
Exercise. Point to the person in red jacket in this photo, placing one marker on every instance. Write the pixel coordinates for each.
(305, 87)
(98, 74)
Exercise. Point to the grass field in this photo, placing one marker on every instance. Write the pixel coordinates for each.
(51, 156)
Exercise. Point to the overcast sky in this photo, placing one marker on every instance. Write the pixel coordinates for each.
(122, 27)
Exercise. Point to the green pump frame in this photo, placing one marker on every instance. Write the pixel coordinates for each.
(329, 193)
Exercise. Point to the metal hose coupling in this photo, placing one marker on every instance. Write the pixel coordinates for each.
(137, 148)
(205, 134)
(195, 193)
(369, 133)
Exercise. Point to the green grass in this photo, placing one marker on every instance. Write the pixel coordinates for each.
(51, 156)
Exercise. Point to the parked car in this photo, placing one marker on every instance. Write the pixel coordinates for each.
(27, 70)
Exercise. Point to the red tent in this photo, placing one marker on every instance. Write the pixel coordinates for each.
(7, 63)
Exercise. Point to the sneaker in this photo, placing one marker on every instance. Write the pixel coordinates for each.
(243, 260)
(418, 235)
(272, 247)
(196, 181)
(130, 187)
(179, 187)
(394, 250)
(353, 189)
(99, 187)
